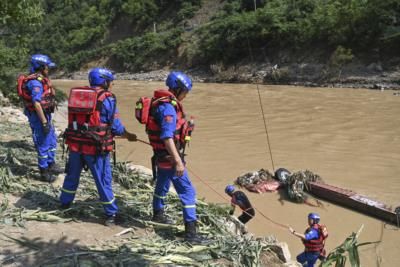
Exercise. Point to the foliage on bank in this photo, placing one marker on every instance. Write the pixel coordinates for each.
(360, 25)
(136, 35)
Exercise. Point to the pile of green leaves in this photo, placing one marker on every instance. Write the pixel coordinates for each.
(163, 244)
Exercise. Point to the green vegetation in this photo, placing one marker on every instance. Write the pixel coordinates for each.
(135, 35)
(347, 250)
(358, 25)
(16, 19)
(77, 32)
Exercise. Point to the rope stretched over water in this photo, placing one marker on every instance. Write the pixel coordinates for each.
(262, 111)
(222, 196)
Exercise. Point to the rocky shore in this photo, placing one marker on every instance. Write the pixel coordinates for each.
(373, 76)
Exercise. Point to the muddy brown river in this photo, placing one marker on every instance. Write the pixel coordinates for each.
(350, 137)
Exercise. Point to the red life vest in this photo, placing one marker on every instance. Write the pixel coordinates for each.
(317, 245)
(86, 133)
(182, 131)
(48, 101)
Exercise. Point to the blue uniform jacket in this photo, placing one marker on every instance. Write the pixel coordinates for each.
(312, 234)
(35, 89)
(117, 127)
(166, 118)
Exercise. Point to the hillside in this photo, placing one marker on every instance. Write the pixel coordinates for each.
(308, 42)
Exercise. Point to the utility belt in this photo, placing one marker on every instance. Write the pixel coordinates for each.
(48, 104)
(46, 110)
(162, 161)
(85, 166)
(89, 143)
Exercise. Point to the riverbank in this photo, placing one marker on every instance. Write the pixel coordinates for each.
(372, 76)
(37, 233)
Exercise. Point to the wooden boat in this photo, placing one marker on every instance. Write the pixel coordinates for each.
(354, 201)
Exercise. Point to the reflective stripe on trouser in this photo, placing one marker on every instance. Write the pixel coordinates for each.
(45, 144)
(101, 170)
(183, 187)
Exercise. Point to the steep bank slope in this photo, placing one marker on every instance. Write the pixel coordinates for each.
(53, 237)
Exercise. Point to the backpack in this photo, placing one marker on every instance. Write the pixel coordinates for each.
(142, 109)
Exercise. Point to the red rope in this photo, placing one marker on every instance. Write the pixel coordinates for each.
(144, 142)
(223, 196)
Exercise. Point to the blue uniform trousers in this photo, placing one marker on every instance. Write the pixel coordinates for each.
(183, 187)
(100, 168)
(45, 145)
(308, 258)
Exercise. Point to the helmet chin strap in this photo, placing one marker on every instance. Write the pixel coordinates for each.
(177, 92)
(106, 85)
(42, 69)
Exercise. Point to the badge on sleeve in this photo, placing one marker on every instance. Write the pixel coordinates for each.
(168, 119)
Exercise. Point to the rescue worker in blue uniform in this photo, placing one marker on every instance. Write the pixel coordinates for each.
(240, 199)
(85, 150)
(314, 241)
(40, 119)
(167, 120)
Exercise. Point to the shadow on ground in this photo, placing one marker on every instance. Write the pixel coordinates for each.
(36, 252)
(88, 210)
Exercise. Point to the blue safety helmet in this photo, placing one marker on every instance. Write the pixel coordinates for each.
(315, 217)
(100, 76)
(39, 60)
(178, 80)
(229, 189)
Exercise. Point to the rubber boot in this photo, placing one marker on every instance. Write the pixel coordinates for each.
(159, 217)
(46, 175)
(110, 220)
(55, 169)
(65, 206)
(191, 235)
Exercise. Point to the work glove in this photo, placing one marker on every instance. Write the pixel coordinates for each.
(131, 136)
(46, 128)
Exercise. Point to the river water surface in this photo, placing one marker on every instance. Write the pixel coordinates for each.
(350, 137)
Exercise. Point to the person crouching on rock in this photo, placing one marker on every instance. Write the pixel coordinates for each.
(240, 199)
(93, 121)
(313, 240)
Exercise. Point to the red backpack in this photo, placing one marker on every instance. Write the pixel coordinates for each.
(142, 109)
(85, 132)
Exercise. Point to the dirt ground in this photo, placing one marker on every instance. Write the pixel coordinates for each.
(36, 242)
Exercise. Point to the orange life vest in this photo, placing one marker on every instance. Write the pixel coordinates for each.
(48, 101)
(317, 245)
(86, 133)
(145, 113)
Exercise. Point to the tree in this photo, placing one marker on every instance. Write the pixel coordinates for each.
(17, 17)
